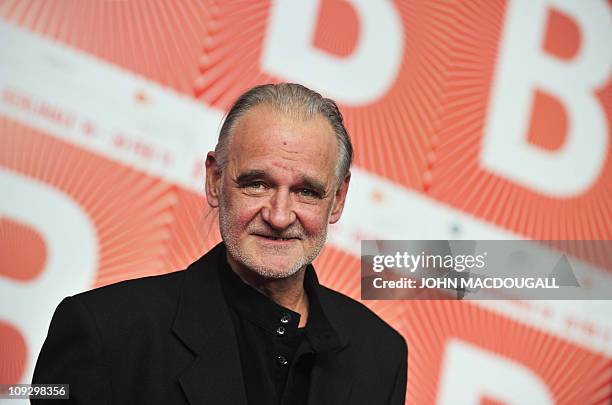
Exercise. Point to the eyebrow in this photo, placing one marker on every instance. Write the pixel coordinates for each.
(249, 176)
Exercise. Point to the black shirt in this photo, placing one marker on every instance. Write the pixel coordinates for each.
(276, 356)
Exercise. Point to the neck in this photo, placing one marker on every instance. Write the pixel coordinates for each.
(287, 292)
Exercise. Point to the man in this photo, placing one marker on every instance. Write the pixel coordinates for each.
(248, 322)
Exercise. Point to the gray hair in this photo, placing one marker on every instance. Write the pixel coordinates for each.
(291, 99)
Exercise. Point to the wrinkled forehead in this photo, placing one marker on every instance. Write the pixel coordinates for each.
(266, 136)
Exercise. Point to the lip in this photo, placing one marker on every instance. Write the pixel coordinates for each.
(275, 241)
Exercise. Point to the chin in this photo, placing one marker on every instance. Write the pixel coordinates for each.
(275, 272)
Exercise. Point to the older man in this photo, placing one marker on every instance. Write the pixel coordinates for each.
(248, 322)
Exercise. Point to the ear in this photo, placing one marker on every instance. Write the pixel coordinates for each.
(339, 199)
(213, 180)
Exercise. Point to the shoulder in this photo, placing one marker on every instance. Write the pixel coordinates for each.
(132, 303)
(148, 302)
(151, 288)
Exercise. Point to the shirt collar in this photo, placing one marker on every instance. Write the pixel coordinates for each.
(251, 304)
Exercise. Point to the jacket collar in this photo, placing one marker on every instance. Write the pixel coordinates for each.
(204, 325)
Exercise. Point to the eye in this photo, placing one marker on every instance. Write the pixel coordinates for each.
(256, 185)
(306, 192)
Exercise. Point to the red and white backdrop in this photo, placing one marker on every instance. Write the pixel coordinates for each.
(470, 119)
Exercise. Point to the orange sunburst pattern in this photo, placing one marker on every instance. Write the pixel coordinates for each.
(213, 49)
(327, 37)
(572, 374)
(131, 212)
(229, 63)
(194, 230)
(425, 134)
(13, 352)
(156, 39)
(338, 270)
(457, 177)
(391, 135)
(23, 252)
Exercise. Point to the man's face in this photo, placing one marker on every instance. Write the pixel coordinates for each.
(278, 191)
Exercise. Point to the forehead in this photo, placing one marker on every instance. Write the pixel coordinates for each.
(264, 138)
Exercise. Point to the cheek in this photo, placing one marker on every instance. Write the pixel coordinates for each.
(243, 210)
(313, 220)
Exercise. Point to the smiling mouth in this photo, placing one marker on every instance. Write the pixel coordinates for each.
(274, 238)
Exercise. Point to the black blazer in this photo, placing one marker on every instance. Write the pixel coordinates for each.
(169, 339)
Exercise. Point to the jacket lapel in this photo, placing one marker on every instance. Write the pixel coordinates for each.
(328, 383)
(204, 325)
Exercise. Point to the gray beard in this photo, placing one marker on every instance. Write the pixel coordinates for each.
(233, 248)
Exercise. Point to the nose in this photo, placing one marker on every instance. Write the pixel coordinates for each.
(278, 212)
